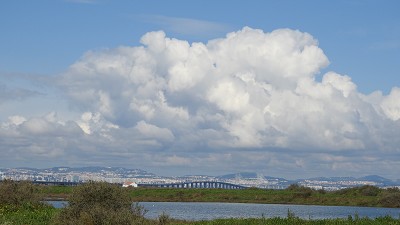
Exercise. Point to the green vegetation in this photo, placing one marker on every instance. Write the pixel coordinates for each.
(27, 215)
(99, 203)
(56, 192)
(294, 194)
(93, 203)
(295, 220)
(19, 194)
(20, 203)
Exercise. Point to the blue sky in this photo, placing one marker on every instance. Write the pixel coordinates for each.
(47, 45)
(361, 38)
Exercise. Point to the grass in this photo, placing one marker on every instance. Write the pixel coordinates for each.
(27, 215)
(291, 221)
(46, 215)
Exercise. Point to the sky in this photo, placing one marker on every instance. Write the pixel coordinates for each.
(291, 89)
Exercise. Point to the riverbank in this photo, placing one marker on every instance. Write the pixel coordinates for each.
(46, 215)
(294, 220)
(359, 196)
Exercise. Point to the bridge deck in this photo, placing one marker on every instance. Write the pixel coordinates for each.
(187, 185)
(197, 184)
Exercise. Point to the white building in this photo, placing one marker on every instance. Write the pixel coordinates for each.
(129, 184)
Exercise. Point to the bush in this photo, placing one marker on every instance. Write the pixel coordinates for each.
(32, 216)
(392, 190)
(300, 191)
(347, 191)
(163, 219)
(99, 193)
(368, 190)
(96, 215)
(390, 200)
(138, 211)
(100, 203)
(293, 187)
(19, 194)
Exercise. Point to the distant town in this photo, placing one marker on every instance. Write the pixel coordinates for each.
(138, 176)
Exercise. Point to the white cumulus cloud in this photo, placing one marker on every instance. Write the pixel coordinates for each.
(250, 91)
(254, 89)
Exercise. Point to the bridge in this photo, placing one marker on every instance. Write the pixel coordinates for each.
(196, 184)
(57, 183)
(187, 185)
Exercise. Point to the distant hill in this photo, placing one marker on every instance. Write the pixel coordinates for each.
(243, 175)
(249, 175)
(333, 179)
(370, 178)
(378, 179)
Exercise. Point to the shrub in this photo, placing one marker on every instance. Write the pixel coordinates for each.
(19, 194)
(96, 215)
(163, 219)
(31, 216)
(99, 193)
(393, 190)
(100, 203)
(347, 191)
(300, 191)
(293, 187)
(368, 190)
(138, 211)
(390, 200)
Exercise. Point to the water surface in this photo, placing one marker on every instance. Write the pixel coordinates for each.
(209, 211)
(214, 210)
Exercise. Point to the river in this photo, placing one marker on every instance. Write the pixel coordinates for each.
(212, 210)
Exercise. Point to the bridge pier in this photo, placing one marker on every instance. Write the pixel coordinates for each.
(197, 184)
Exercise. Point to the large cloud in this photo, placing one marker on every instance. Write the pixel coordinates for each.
(251, 97)
(249, 89)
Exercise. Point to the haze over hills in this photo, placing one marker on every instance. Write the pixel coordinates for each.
(250, 179)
